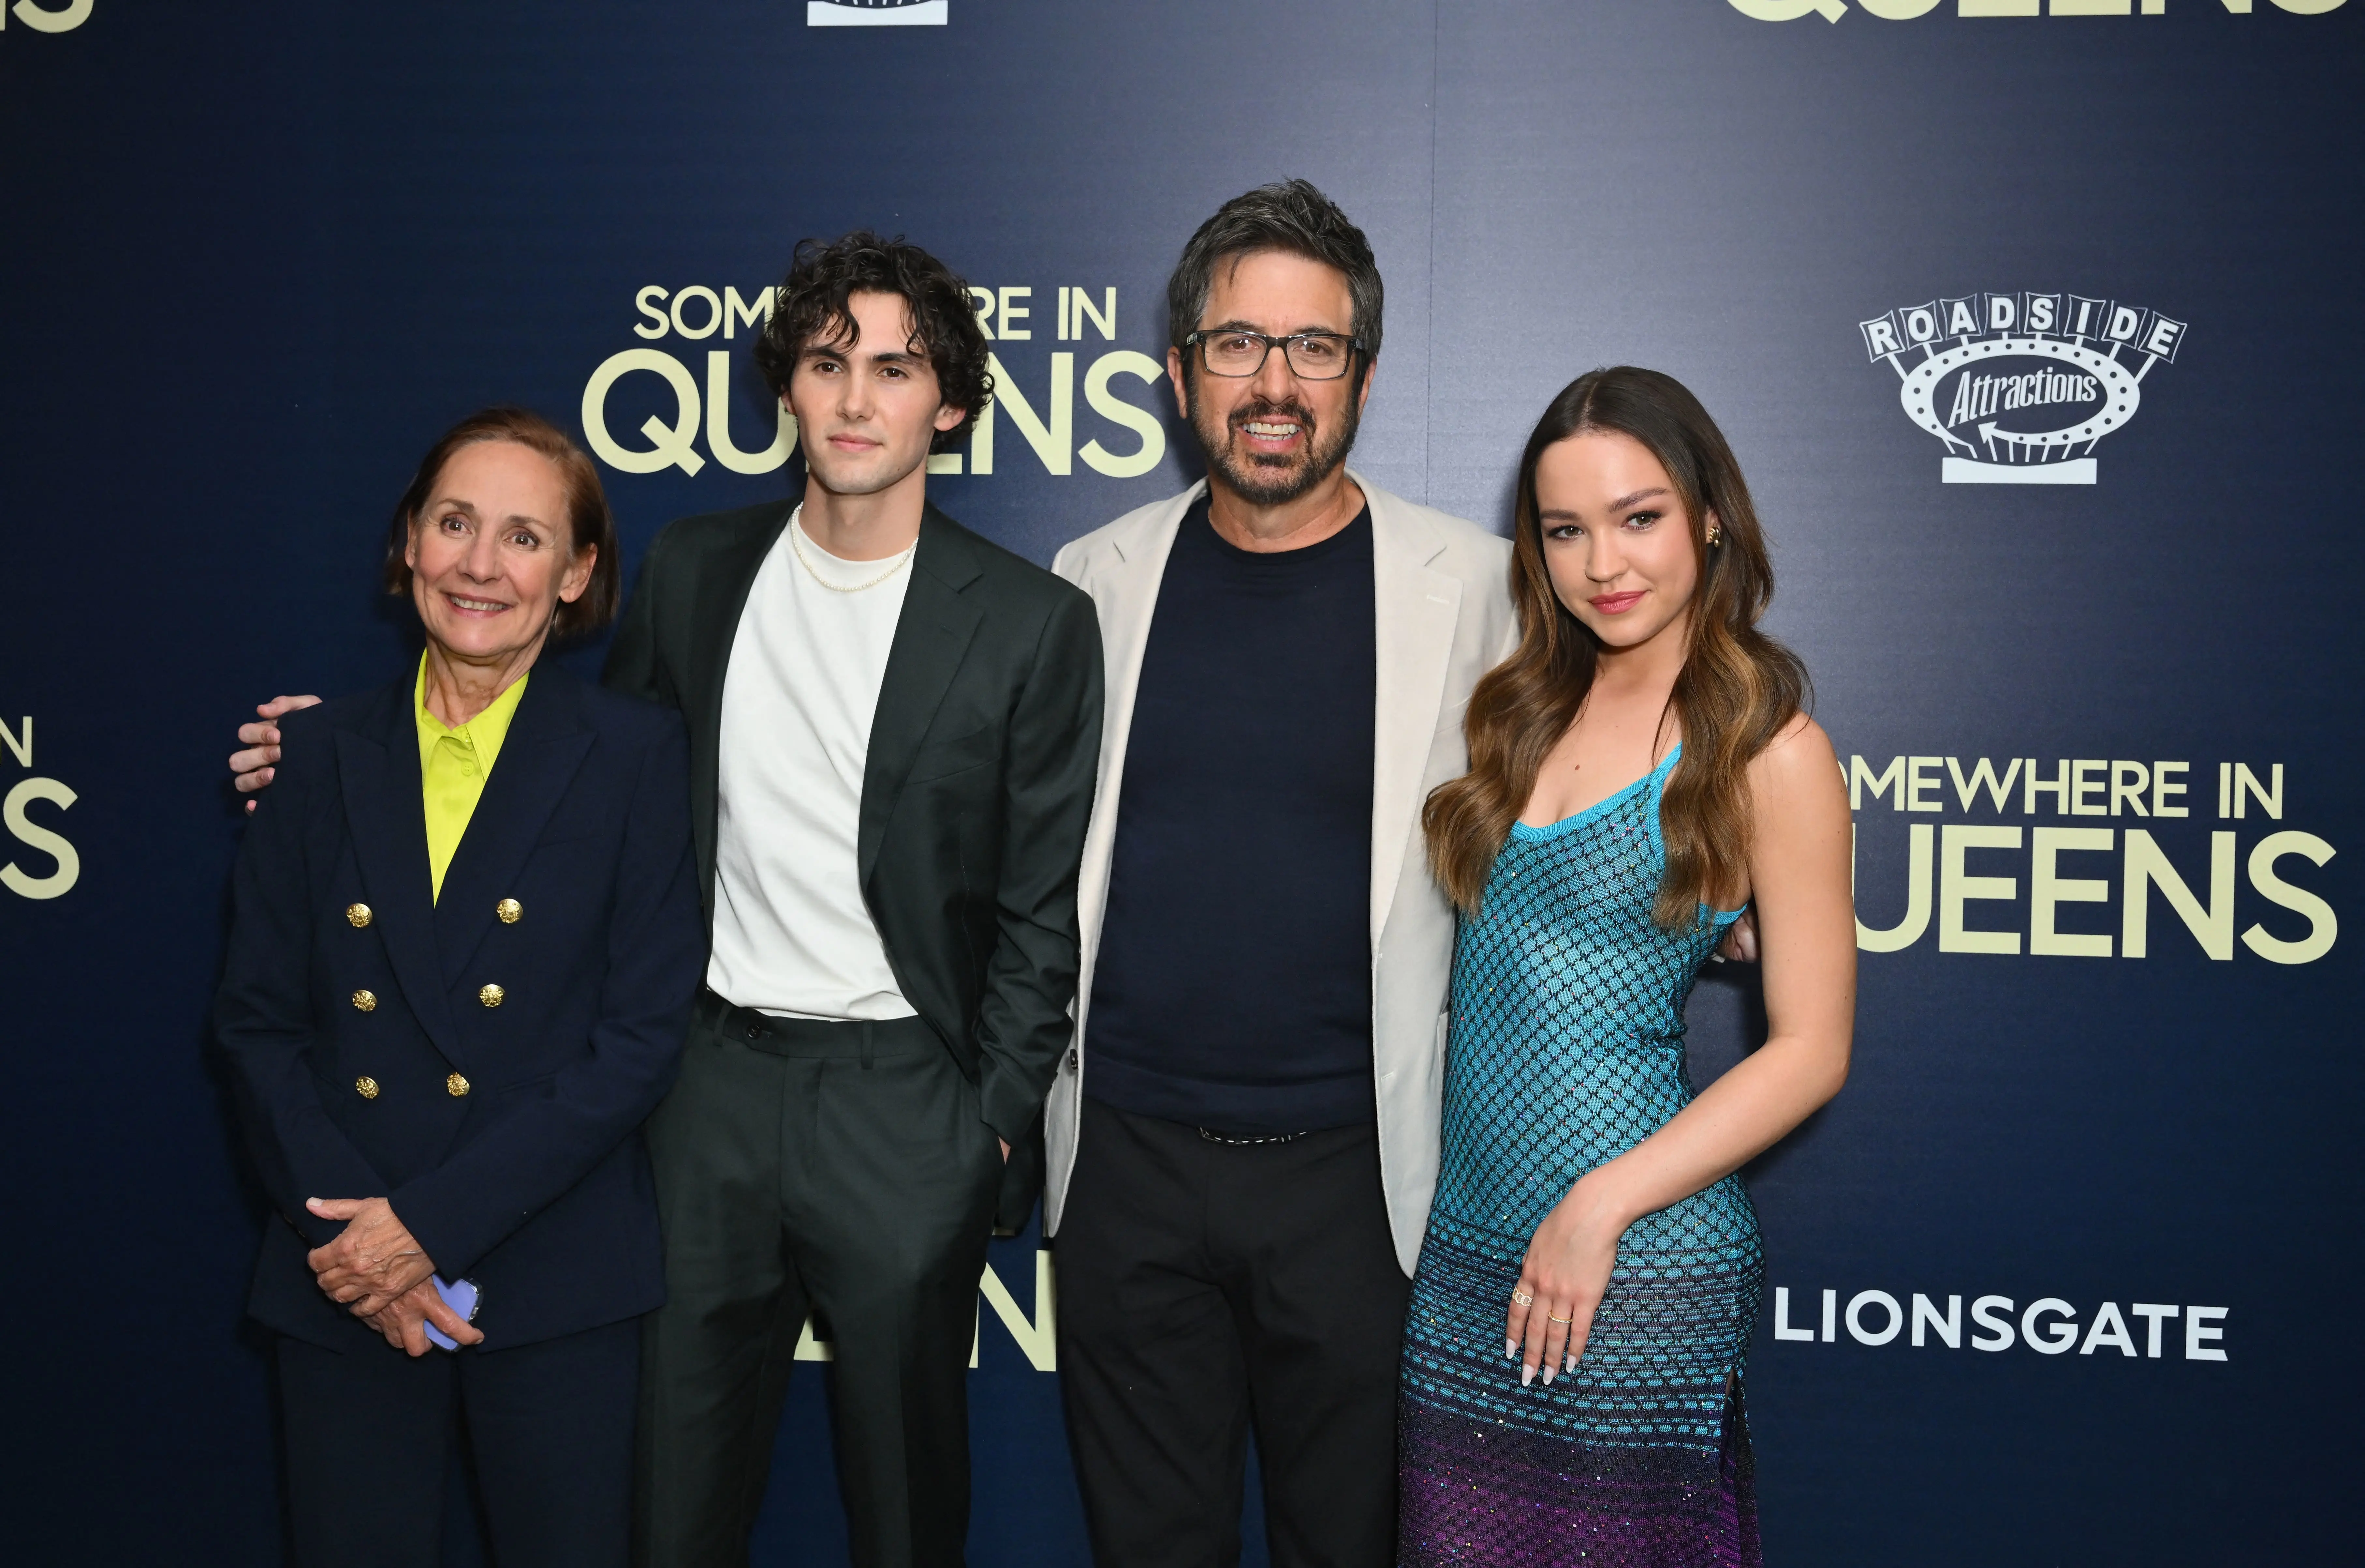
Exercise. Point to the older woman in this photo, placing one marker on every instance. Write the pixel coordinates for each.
(466, 936)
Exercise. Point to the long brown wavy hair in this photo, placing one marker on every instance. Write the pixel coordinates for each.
(1737, 689)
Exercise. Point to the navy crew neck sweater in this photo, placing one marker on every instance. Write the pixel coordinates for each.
(1233, 987)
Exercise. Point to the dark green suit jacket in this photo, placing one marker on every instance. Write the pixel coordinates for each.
(975, 793)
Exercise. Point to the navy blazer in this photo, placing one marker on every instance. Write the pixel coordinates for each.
(483, 1065)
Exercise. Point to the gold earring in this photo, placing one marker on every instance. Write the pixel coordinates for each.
(1714, 536)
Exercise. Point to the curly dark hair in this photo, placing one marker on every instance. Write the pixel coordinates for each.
(812, 303)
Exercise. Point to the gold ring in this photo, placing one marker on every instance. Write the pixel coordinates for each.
(1521, 1298)
(1569, 1319)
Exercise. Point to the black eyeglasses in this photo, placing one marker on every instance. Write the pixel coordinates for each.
(1312, 357)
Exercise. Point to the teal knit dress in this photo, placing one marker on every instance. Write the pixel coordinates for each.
(1566, 1050)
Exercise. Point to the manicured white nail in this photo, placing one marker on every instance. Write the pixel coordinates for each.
(1548, 1371)
(1527, 1376)
(1511, 1350)
(1572, 1364)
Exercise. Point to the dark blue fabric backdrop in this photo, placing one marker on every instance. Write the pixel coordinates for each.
(258, 255)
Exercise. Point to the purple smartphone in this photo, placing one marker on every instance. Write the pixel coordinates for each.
(461, 1296)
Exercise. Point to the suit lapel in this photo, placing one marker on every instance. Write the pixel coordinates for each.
(931, 635)
(377, 770)
(1123, 580)
(718, 598)
(546, 743)
(1417, 612)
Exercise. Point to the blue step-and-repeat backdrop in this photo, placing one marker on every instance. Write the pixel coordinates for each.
(2036, 324)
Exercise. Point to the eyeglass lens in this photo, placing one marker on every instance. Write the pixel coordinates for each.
(1313, 357)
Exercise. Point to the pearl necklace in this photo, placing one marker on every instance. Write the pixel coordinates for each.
(798, 550)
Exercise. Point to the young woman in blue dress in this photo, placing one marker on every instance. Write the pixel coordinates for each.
(1642, 771)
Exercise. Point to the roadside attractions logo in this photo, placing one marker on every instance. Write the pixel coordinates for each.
(2021, 387)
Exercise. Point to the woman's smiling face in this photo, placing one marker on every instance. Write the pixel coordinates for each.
(1617, 541)
(492, 555)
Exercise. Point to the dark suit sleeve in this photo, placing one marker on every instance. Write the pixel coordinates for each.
(636, 664)
(1023, 1021)
(463, 1208)
(262, 1015)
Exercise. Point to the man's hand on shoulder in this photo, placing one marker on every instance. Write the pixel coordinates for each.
(251, 769)
(1740, 944)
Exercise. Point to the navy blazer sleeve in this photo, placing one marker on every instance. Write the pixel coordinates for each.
(470, 1203)
(262, 1015)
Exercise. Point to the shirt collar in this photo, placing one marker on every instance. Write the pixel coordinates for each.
(482, 734)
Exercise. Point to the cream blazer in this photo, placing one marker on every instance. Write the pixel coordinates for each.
(1444, 619)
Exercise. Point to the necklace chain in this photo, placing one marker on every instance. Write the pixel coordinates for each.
(902, 561)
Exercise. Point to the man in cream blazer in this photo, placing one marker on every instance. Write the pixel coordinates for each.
(1243, 1138)
(1444, 621)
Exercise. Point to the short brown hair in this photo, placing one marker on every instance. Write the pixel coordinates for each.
(588, 521)
(1291, 217)
(811, 304)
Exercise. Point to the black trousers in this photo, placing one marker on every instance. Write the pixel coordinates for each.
(1205, 1289)
(550, 1430)
(837, 1167)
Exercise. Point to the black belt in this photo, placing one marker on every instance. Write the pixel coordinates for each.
(1247, 1140)
(850, 1038)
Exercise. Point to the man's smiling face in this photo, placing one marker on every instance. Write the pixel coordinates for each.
(1272, 436)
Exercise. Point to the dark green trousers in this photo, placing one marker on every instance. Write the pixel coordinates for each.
(834, 1168)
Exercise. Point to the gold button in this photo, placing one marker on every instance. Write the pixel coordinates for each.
(367, 1087)
(366, 1000)
(456, 1086)
(357, 915)
(509, 910)
(491, 995)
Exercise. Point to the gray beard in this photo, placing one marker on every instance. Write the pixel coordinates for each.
(1268, 486)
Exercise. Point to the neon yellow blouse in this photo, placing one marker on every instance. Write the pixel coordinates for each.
(453, 765)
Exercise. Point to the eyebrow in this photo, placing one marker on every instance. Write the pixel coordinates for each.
(1237, 325)
(459, 503)
(1620, 504)
(909, 354)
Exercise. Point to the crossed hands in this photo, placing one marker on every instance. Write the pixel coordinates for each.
(377, 1271)
(1561, 1283)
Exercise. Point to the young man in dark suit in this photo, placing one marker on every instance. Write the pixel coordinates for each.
(893, 732)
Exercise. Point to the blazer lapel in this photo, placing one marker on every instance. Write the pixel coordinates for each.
(1416, 612)
(931, 635)
(1123, 579)
(546, 743)
(377, 769)
(719, 598)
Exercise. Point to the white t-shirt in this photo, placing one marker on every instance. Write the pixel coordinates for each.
(791, 934)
